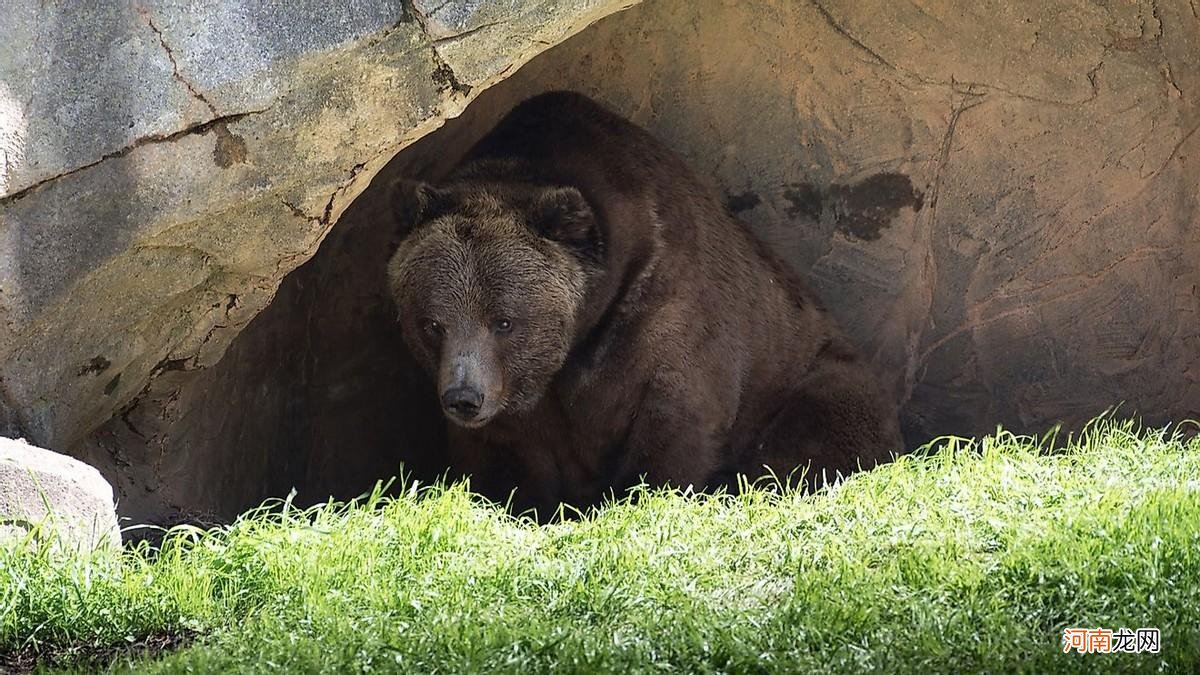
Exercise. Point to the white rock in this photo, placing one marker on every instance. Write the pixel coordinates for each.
(61, 494)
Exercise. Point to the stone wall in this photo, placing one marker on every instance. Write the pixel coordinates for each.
(165, 167)
(1000, 203)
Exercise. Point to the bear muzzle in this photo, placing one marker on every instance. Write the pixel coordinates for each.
(470, 392)
(462, 402)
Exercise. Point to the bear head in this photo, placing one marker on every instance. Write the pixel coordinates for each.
(489, 279)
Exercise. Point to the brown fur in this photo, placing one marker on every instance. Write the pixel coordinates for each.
(649, 335)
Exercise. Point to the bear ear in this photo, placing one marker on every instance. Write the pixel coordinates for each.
(414, 202)
(563, 215)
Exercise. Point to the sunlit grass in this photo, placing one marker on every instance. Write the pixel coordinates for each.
(964, 556)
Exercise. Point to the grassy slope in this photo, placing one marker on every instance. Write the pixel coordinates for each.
(972, 558)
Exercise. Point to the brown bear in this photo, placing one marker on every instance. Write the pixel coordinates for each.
(593, 318)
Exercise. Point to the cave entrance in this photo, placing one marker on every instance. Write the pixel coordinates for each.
(975, 239)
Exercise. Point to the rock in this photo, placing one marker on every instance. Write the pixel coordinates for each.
(164, 168)
(40, 488)
(998, 202)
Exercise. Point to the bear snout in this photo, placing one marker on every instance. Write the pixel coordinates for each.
(469, 387)
(462, 402)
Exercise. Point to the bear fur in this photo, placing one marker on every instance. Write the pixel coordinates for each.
(594, 318)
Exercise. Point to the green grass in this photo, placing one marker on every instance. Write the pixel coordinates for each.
(973, 557)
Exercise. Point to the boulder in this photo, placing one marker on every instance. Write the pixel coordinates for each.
(59, 497)
(998, 201)
(163, 167)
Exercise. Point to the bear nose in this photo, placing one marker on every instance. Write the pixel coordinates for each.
(463, 401)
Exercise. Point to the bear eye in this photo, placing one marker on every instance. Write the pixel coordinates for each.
(432, 328)
(502, 325)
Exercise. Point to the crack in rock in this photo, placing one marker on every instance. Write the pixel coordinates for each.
(175, 73)
(168, 364)
(1166, 63)
(450, 39)
(838, 28)
(1175, 150)
(215, 125)
(230, 149)
(929, 270)
(442, 74)
(299, 212)
(327, 216)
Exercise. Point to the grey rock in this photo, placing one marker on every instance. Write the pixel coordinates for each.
(165, 165)
(57, 498)
(998, 201)
(999, 204)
